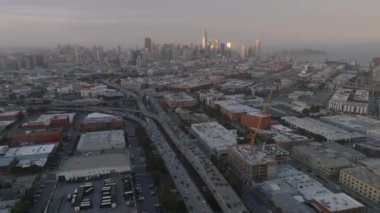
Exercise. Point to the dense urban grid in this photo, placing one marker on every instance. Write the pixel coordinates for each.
(206, 127)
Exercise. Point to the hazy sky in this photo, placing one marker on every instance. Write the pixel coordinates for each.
(287, 23)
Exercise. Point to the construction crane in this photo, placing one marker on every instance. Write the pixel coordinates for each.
(263, 112)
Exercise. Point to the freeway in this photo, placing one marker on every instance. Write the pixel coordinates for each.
(223, 193)
(190, 194)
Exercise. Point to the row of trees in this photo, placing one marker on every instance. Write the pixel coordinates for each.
(160, 174)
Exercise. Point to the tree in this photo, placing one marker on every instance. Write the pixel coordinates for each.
(12, 96)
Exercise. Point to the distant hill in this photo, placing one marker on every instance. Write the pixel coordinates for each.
(302, 52)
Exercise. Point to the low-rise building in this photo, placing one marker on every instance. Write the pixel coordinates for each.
(339, 203)
(346, 100)
(326, 158)
(214, 138)
(233, 109)
(322, 130)
(256, 120)
(285, 139)
(100, 141)
(94, 165)
(10, 115)
(181, 99)
(37, 136)
(63, 120)
(256, 163)
(354, 123)
(362, 180)
(101, 122)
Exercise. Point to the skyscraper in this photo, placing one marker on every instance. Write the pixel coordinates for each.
(148, 44)
(204, 40)
(258, 48)
(243, 51)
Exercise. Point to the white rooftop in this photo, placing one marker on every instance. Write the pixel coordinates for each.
(98, 115)
(8, 113)
(307, 187)
(331, 133)
(102, 140)
(30, 150)
(341, 95)
(215, 135)
(235, 107)
(338, 202)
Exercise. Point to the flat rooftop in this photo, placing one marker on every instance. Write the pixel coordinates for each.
(47, 117)
(101, 140)
(366, 175)
(341, 95)
(107, 160)
(30, 150)
(254, 157)
(48, 130)
(235, 107)
(338, 202)
(327, 157)
(9, 113)
(181, 96)
(307, 187)
(331, 133)
(215, 135)
(355, 123)
(100, 117)
(361, 95)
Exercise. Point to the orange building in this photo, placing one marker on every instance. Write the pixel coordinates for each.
(252, 119)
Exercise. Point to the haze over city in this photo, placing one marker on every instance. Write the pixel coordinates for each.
(197, 106)
(347, 25)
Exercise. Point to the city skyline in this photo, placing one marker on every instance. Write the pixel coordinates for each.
(294, 23)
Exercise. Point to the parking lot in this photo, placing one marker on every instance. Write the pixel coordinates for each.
(60, 204)
(145, 194)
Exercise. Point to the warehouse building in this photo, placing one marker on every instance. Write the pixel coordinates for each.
(10, 115)
(296, 185)
(256, 119)
(37, 136)
(189, 85)
(214, 138)
(63, 120)
(371, 148)
(101, 122)
(362, 180)
(346, 100)
(30, 152)
(233, 109)
(340, 202)
(327, 158)
(353, 123)
(256, 163)
(26, 156)
(94, 165)
(322, 130)
(181, 99)
(284, 139)
(100, 141)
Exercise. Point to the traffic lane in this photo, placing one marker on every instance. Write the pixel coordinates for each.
(179, 175)
(40, 205)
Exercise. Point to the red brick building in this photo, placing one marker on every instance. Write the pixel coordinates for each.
(10, 116)
(37, 136)
(101, 122)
